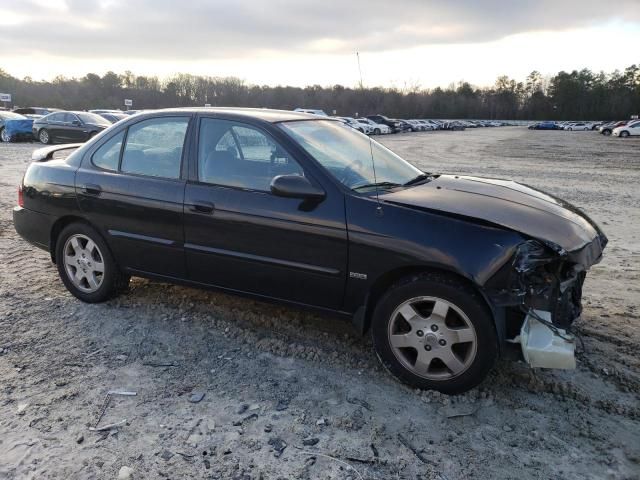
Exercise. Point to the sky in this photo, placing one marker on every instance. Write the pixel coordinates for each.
(401, 43)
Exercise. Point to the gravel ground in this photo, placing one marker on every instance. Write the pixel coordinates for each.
(289, 394)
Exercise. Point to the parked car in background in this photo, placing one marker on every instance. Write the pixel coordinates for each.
(426, 124)
(113, 117)
(408, 126)
(353, 123)
(312, 111)
(378, 128)
(14, 126)
(544, 126)
(68, 127)
(607, 128)
(628, 130)
(441, 270)
(394, 125)
(578, 126)
(35, 112)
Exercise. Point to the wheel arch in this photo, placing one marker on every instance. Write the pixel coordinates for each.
(363, 316)
(59, 225)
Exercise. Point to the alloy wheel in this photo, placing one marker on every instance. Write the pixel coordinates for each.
(432, 338)
(5, 136)
(43, 136)
(84, 263)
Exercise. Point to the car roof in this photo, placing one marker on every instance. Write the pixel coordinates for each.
(264, 114)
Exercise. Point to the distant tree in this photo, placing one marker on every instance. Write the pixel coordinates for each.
(576, 95)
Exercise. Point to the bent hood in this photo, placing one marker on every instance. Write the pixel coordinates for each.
(510, 205)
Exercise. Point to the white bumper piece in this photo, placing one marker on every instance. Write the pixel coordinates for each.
(542, 347)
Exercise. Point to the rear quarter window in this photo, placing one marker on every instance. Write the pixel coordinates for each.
(107, 156)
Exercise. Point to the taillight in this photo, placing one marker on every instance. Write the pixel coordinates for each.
(20, 196)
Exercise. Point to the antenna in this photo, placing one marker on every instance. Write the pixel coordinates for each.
(379, 211)
(375, 180)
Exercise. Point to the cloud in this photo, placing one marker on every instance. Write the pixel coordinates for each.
(209, 30)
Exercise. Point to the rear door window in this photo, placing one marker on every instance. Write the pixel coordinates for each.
(154, 147)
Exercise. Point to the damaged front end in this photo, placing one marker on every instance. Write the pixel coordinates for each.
(541, 292)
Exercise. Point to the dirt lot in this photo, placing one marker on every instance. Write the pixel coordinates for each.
(288, 394)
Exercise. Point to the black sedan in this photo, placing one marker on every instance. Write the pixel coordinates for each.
(443, 270)
(68, 127)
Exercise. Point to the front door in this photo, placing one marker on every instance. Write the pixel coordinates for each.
(134, 194)
(241, 237)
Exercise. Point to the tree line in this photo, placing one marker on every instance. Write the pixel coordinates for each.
(576, 95)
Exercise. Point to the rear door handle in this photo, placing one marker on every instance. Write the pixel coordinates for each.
(202, 207)
(92, 189)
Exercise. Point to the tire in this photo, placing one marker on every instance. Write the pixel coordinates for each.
(44, 137)
(81, 250)
(376, 131)
(624, 134)
(424, 361)
(91, 135)
(4, 136)
(606, 132)
(570, 129)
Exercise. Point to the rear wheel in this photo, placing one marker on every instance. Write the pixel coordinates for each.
(44, 136)
(434, 332)
(86, 266)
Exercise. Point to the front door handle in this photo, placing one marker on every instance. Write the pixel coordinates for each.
(202, 207)
(92, 189)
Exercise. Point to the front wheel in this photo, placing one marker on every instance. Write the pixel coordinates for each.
(86, 266)
(44, 136)
(624, 134)
(432, 331)
(376, 131)
(4, 136)
(606, 133)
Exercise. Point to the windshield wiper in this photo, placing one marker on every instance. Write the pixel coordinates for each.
(379, 184)
(418, 179)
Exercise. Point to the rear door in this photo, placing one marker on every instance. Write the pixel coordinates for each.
(132, 189)
(241, 237)
(55, 125)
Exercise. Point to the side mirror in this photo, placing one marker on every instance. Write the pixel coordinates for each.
(295, 186)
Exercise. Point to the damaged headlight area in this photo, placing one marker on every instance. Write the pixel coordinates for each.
(544, 278)
(541, 293)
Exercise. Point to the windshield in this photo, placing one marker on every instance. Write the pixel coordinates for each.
(92, 118)
(347, 154)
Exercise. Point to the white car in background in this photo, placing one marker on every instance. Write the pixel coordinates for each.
(378, 128)
(354, 123)
(628, 130)
(578, 126)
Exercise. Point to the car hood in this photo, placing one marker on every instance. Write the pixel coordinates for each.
(510, 205)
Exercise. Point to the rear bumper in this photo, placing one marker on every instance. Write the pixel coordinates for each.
(34, 227)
